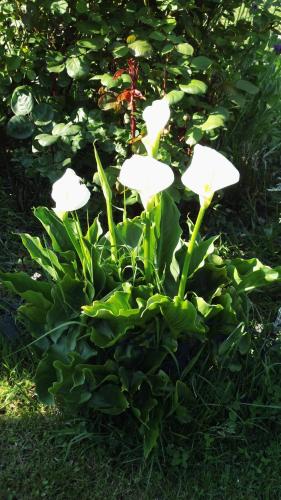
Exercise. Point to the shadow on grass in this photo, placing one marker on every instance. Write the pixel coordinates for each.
(45, 456)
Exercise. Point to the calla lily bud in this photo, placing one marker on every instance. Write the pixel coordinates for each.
(69, 193)
(147, 176)
(208, 172)
(156, 117)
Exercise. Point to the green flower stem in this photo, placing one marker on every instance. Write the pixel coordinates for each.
(155, 146)
(152, 150)
(111, 227)
(108, 198)
(189, 252)
(146, 247)
(152, 146)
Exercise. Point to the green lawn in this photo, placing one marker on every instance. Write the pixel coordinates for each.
(44, 455)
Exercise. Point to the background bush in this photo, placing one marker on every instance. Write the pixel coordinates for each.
(59, 94)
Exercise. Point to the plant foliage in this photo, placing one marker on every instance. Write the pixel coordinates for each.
(65, 79)
(113, 343)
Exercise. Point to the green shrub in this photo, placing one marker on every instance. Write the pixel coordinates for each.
(59, 60)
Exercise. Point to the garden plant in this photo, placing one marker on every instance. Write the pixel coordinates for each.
(140, 318)
(123, 315)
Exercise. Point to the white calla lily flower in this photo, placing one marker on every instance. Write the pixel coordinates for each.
(208, 172)
(146, 175)
(69, 193)
(156, 117)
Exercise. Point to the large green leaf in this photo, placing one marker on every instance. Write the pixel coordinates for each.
(193, 136)
(20, 127)
(59, 7)
(22, 101)
(170, 232)
(54, 228)
(200, 253)
(174, 96)
(62, 374)
(194, 87)
(45, 257)
(46, 139)
(183, 318)
(207, 310)
(77, 67)
(140, 48)
(185, 48)
(215, 120)
(42, 114)
(65, 129)
(34, 319)
(157, 35)
(183, 397)
(68, 296)
(109, 399)
(129, 233)
(46, 374)
(118, 305)
(20, 283)
(201, 63)
(13, 62)
(94, 231)
(251, 274)
(94, 44)
(75, 380)
(120, 50)
(114, 317)
(180, 315)
(55, 61)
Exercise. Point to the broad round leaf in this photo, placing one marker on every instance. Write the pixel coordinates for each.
(13, 62)
(42, 114)
(55, 62)
(20, 127)
(140, 48)
(22, 101)
(81, 6)
(157, 35)
(174, 96)
(108, 81)
(185, 48)
(201, 63)
(194, 87)
(167, 48)
(193, 135)
(213, 121)
(59, 7)
(65, 129)
(120, 50)
(77, 67)
(95, 44)
(46, 139)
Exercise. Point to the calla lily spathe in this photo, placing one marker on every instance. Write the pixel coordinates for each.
(208, 172)
(69, 193)
(156, 117)
(146, 175)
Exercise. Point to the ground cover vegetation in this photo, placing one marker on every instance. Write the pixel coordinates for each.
(144, 351)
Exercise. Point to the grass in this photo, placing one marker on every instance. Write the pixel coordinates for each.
(44, 455)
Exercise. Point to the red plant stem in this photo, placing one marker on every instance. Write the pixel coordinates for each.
(133, 72)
